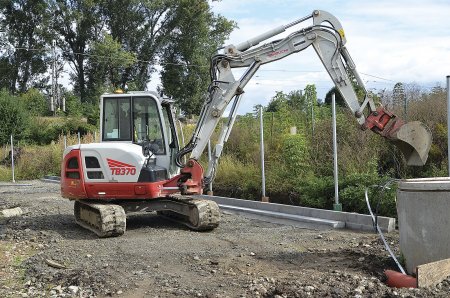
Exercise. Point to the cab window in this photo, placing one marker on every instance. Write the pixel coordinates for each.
(117, 119)
(147, 124)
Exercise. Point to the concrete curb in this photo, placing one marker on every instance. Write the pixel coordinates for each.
(330, 218)
(51, 179)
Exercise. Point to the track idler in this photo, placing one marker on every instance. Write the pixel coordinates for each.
(413, 139)
(109, 220)
(105, 220)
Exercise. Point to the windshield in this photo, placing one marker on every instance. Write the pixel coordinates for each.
(147, 123)
(133, 119)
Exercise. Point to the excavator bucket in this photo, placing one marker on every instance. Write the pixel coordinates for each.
(414, 141)
(412, 138)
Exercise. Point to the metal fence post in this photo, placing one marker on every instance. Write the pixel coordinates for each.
(263, 175)
(336, 206)
(12, 160)
(210, 188)
(448, 122)
(79, 138)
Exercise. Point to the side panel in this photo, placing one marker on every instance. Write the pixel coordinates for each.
(111, 162)
(72, 182)
(124, 190)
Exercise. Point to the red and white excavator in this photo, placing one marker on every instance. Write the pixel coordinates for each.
(138, 166)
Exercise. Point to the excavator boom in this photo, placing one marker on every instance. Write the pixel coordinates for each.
(326, 35)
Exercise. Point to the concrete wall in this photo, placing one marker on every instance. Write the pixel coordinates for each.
(423, 207)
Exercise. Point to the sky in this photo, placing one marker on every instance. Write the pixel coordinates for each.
(389, 41)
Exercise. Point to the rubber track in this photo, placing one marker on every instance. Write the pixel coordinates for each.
(105, 220)
(204, 216)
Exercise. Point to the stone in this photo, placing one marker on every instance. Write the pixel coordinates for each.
(74, 289)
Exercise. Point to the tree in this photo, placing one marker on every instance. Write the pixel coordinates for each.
(35, 102)
(398, 95)
(107, 63)
(141, 27)
(23, 61)
(399, 98)
(14, 119)
(337, 97)
(79, 24)
(197, 35)
(277, 102)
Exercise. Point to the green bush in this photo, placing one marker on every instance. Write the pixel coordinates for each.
(14, 118)
(37, 161)
(237, 179)
(295, 154)
(45, 130)
(35, 102)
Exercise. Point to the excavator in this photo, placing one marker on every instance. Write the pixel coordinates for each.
(138, 164)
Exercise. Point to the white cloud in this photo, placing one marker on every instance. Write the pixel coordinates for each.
(407, 41)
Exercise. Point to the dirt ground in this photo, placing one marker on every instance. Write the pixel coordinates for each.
(159, 258)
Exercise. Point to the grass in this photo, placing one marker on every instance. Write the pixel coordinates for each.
(12, 275)
(36, 161)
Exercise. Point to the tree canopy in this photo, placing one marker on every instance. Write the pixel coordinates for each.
(109, 43)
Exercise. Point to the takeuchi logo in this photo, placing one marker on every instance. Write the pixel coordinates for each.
(120, 168)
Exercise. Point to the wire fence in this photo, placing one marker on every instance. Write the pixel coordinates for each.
(23, 160)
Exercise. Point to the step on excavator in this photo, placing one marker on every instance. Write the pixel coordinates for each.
(138, 164)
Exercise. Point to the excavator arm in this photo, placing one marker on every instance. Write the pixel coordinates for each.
(327, 37)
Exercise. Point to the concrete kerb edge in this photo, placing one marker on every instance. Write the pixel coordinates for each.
(353, 221)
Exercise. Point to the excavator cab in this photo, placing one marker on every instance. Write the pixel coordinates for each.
(141, 118)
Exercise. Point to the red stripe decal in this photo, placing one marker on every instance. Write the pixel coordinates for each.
(117, 164)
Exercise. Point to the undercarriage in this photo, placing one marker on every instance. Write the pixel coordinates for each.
(108, 219)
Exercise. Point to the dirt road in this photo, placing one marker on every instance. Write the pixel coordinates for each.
(159, 258)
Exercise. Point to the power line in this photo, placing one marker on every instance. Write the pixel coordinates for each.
(106, 58)
(377, 77)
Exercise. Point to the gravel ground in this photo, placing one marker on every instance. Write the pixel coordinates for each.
(159, 258)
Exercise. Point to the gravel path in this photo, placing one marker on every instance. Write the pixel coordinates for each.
(159, 258)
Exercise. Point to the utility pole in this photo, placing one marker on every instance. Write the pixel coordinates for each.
(53, 91)
(56, 101)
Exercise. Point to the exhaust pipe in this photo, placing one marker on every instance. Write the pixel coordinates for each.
(413, 139)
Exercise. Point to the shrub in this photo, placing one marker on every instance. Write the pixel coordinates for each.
(238, 179)
(45, 130)
(35, 102)
(37, 161)
(14, 118)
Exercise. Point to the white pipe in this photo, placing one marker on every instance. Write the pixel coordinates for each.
(262, 152)
(12, 160)
(336, 187)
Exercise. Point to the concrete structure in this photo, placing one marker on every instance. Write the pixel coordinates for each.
(287, 214)
(423, 207)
